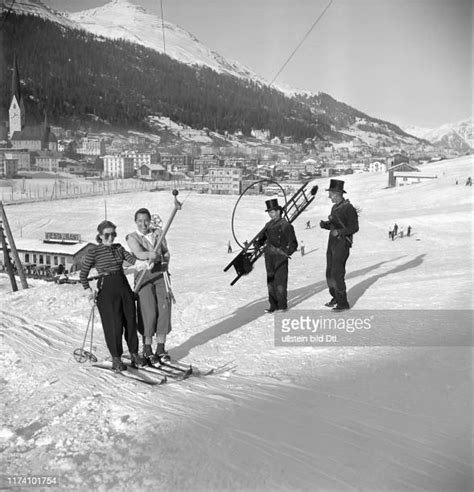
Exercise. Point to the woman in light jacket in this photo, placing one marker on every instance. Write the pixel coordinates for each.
(154, 302)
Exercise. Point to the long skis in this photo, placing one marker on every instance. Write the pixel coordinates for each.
(133, 373)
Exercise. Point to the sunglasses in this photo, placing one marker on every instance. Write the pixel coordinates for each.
(110, 234)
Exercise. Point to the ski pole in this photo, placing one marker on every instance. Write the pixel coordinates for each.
(82, 355)
(177, 206)
(92, 357)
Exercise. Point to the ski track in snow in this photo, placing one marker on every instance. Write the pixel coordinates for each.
(271, 418)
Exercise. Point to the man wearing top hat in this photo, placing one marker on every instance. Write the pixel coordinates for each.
(343, 223)
(280, 242)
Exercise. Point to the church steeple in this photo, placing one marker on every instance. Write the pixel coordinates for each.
(16, 88)
(17, 108)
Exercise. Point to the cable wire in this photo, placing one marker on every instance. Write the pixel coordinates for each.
(163, 27)
(301, 42)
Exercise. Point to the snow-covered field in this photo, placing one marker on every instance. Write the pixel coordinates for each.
(273, 418)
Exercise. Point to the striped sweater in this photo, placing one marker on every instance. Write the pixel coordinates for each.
(105, 259)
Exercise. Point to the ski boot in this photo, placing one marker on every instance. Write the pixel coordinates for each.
(147, 352)
(160, 358)
(137, 360)
(118, 365)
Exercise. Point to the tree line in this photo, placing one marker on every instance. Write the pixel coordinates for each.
(73, 75)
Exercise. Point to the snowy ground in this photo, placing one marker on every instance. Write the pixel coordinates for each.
(275, 418)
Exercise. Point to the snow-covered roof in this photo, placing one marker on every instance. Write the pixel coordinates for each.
(154, 167)
(37, 245)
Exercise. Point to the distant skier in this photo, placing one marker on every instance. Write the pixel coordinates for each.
(302, 248)
(342, 223)
(280, 242)
(401, 232)
(390, 234)
(229, 247)
(395, 229)
(308, 224)
(469, 181)
(409, 231)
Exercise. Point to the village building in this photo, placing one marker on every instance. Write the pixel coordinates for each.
(91, 146)
(16, 112)
(237, 162)
(142, 158)
(225, 180)
(45, 160)
(75, 167)
(205, 162)
(8, 167)
(22, 156)
(377, 167)
(263, 135)
(153, 172)
(31, 137)
(42, 257)
(395, 159)
(405, 174)
(117, 166)
(327, 171)
(176, 163)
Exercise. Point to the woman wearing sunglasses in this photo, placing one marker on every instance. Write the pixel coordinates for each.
(114, 296)
(154, 299)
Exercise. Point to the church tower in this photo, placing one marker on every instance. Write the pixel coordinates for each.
(17, 108)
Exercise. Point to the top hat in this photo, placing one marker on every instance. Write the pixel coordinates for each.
(272, 205)
(336, 185)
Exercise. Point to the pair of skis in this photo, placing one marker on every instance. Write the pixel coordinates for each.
(151, 374)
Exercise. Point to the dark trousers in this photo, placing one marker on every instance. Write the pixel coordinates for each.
(336, 257)
(116, 305)
(277, 280)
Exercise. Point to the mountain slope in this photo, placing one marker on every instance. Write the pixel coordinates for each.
(459, 135)
(38, 8)
(121, 19)
(72, 73)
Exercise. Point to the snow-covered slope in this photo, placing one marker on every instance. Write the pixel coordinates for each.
(417, 131)
(344, 418)
(123, 19)
(36, 7)
(453, 135)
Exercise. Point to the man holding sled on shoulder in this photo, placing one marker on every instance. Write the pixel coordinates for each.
(280, 242)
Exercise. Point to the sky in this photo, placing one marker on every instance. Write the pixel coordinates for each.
(405, 61)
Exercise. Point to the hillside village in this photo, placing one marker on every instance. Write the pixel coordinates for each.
(198, 159)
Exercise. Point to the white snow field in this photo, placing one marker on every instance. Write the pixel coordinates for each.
(389, 417)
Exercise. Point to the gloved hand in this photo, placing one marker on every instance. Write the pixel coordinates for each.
(324, 224)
